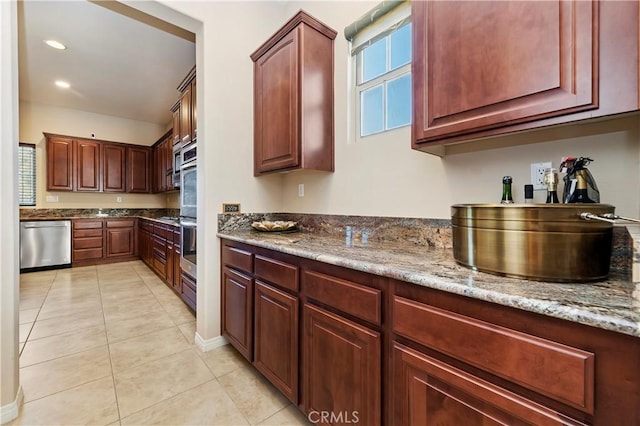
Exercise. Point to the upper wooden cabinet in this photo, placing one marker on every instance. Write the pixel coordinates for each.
(184, 111)
(487, 68)
(59, 164)
(163, 163)
(138, 172)
(114, 168)
(90, 165)
(293, 98)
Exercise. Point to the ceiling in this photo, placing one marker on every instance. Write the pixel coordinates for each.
(116, 65)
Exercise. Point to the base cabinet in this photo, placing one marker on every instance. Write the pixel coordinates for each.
(276, 338)
(347, 347)
(237, 310)
(430, 392)
(341, 368)
(103, 240)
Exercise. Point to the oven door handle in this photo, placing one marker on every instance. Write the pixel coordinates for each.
(188, 223)
(188, 165)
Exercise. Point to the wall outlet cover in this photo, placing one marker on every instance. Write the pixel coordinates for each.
(52, 198)
(231, 208)
(301, 190)
(537, 174)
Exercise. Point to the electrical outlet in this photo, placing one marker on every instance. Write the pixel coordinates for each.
(118, 199)
(537, 174)
(301, 190)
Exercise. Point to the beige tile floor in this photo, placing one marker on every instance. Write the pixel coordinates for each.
(113, 345)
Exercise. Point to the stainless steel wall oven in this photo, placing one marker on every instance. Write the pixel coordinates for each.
(188, 208)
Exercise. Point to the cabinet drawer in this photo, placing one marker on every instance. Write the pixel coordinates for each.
(549, 368)
(188, 288)
(349, 297)
(160, 231)
(87, 224)
(146, 225)
(120, 223)
(87, 254)
(277, 272)
(87, 243)
(237, 258)
(83, 233)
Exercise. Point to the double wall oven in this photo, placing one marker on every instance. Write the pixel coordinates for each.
(188, 208)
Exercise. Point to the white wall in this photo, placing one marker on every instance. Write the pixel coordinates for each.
(382, 176)
(9, 292)
(38, 118)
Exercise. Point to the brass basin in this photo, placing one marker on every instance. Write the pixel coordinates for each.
(543, 242)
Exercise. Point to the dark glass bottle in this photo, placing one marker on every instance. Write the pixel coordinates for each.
(551, 181)
(507, 198)
(581, 195)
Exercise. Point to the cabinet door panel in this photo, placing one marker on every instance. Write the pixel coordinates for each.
(88, 164)
(120, 242)
(482, 65)
(138, 170)
(429, 392)
(276, 338)
(113, 168)
(341, 367)
(59, 164)
(276, 106)
(185, 116)
(237, 311)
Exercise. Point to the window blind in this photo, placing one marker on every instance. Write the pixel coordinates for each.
(27, 174)
(380, 21)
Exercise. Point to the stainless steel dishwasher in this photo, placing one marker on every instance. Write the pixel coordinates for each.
(45, 243)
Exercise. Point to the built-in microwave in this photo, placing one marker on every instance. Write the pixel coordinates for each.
(189, 153)
(177, 162)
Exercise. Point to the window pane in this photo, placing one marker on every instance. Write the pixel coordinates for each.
(401, 46)
(372, 111)
(27, 175)
(374, 60)
(399, 101)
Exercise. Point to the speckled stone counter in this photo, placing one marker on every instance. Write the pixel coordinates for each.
(613, 304)
(65, 214)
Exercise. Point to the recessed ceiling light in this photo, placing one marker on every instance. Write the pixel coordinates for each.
(63, 84)
(56, 44)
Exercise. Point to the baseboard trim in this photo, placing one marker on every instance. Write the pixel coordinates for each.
(209, 344)
(10, 411)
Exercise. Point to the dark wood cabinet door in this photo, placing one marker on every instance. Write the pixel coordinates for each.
(158, 169)
(138, 169)
(429, 392)
(168, 163)
(341, 367)
(114, 161)
(170, 262)
(237, 311)
(120, 242)
(188, 290)
(177, 269)
(175, 135)
(185, 116)
(276, 103)
(59, 164)
(483, 65)
(194, 109)
(88, 166)
(276, 338)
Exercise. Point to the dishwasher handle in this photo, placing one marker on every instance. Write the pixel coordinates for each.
(31, 225)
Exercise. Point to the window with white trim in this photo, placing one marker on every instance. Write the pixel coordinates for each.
(382, 64)
(27, 174)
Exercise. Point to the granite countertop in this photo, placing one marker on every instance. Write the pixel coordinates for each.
(173, 222)
(613, 304)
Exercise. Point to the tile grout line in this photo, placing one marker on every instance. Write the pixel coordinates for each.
(37, 314)
(113, 376)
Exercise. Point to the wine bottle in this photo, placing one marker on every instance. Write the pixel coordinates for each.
(551, 181)
(581, 195)
(507, 198)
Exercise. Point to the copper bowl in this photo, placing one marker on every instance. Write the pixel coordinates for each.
(542, 242)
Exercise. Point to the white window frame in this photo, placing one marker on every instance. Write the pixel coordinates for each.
(382, 27)
(27, 153)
